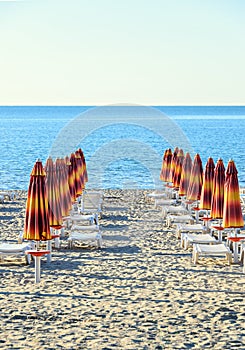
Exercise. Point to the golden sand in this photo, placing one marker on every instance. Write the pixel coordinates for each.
(140, 291)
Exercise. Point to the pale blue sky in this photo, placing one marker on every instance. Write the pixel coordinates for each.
(97, 52)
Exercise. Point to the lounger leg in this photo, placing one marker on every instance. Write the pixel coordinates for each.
(57, 242)
(243, 270)
(195, 256)
(229, 258)
(182, 240)
(220, 238)
(186, 243)
(99, 243)
(178, 232)
(96, 219)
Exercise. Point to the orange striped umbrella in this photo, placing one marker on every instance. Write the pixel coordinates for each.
(217, 202)
(166, 166)
(185, 175)
(196, 180)
(207, 187)
(65, 195)
(76, 174)
(71, 179)
(232, 213)
(79, 169)
(173, 164)
(53, 193)
(163, 163)
(178, 168)
(36, 226)
(85, 173)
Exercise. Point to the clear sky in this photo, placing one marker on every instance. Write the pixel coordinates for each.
(98, 52)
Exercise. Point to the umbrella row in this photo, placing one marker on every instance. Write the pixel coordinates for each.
(213, 188)
(52, 190)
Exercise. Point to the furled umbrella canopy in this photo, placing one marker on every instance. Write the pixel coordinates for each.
(163, 163)
(217, 202)
(36, 225)
(53, 193)
(178, 168)
(173, 164)
(80, 173)
(65, 195)
(76, 175)
(207, 187)
(85, 173)
(196, 180)
(71, 179)
(232, 212)
(185, 175)
(164, 176)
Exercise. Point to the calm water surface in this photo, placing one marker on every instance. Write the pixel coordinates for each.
(119, 154)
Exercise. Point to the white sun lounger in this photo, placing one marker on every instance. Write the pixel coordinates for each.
(91, 203)
(174, 209)
(16, 249)
(84, 237)
(85, 228)
(9, 195)
(157, 195)
(216, 250)
(201, 238)
(81, 218)
(175, 219)
(181, 228)
(166, 202)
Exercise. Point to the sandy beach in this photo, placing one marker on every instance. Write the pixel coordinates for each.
(140, 291)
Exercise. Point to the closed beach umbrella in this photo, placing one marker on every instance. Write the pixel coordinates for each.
(62, 179)
(80, 173)
(207, 187)
(173, 164)
(71, 179)
(185, 175)
(75, 169)
(178, 168)
(217, 202)
(84, 172)
(36, 225)
(232, 212)
(196, 180)
(166, 166)
(163, 164)
(53, 193)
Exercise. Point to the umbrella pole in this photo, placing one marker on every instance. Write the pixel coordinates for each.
(220, 232)
(49, 247)
(197, 212)
(235, 247)
(37, 268)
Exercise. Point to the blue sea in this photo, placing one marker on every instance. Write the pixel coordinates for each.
(123, 145)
